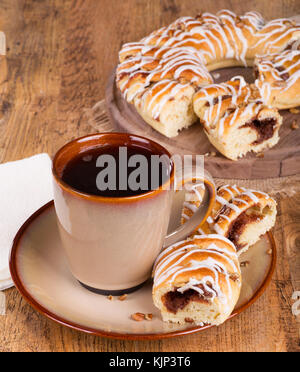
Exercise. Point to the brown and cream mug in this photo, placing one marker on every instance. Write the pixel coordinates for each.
(112, 240)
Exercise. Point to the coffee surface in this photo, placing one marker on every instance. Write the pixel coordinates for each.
(113, 171)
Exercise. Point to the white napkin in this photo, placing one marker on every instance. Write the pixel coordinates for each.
(25, 186)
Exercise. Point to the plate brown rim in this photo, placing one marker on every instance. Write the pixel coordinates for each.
(122, 336)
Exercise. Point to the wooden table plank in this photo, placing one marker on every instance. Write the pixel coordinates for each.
(60, 54)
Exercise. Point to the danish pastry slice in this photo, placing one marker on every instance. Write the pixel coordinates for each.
(212, 101)
(161, 86)
(235, 121)
(239, 214)
(167, 106)
(197, 281)
(278, 78)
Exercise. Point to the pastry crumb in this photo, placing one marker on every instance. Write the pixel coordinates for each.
(123, 297)
(110, 297)
(245, 263)
(294, 125)
(294, 111)
(234, 277)
(138, 317)
(211, 153)
(148, 316)
(189, 320)
(260, 155)
(269, 251)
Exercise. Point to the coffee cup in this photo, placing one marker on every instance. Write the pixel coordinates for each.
(112, 237)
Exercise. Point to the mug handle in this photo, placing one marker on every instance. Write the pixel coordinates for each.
(200, 216)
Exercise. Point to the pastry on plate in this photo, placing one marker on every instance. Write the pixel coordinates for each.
(197, 281)
(239, 214)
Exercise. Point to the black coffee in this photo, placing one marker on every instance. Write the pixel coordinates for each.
(114, 171)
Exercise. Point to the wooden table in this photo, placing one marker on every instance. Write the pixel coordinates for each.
(60, 54)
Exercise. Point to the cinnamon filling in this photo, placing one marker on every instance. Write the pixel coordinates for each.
(238, 226)
(175, 300)
(264, 128)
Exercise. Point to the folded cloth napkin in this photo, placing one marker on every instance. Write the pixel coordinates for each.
(25, 186)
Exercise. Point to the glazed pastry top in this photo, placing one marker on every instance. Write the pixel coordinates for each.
(207, 264)
(277, 72)
(184, 51)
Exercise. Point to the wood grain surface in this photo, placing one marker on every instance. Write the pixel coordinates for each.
(59, 56)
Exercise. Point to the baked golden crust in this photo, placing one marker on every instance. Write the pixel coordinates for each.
(235, 119)
(212, 102)
(278, 78)
(184, 52)
(206, 269)
(240, 214)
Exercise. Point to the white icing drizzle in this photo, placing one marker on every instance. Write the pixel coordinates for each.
(226, 217)
(221, 200)
(235, 188)
(251, 195)
(238, 93)
(185, 216)
(240, 201)
(200, 231)
(271, 69)
(193, 195)
(227, 189)
(181, 51)
(190, 206)
(237, 199)
(218, 229)
(168, 90)
(210, 220)
(240, 36)
(167, 259)
(219, 237)
(214, 117)
(234, 207)
(173, 263)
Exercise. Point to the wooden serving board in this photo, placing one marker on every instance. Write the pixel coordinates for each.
(281, 160)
